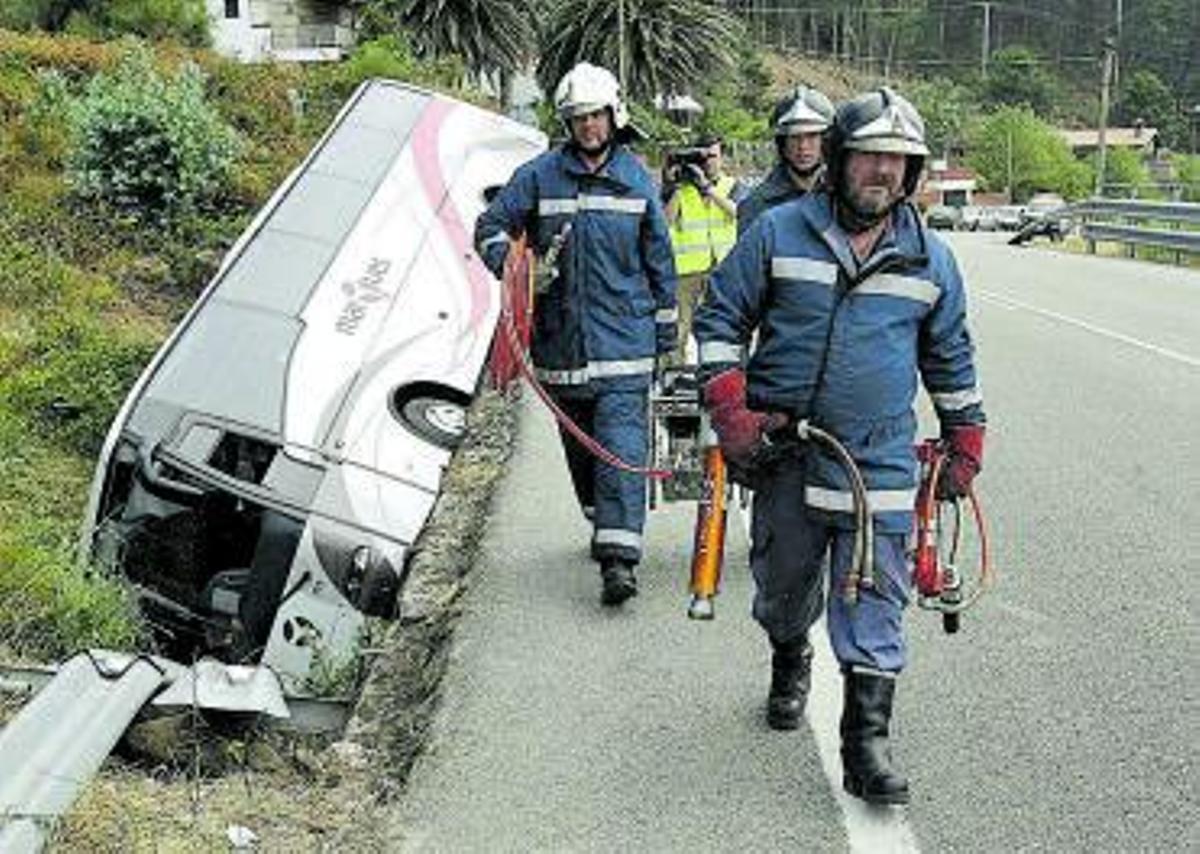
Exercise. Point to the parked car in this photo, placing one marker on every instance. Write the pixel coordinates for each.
(264, 482)
(1040, 204)
(979, 218)
(1048, 210)
(945, 217)
(1008, 217)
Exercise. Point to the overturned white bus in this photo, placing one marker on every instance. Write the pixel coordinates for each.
(265, 479)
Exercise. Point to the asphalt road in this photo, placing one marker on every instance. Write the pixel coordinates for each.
(1063, 717)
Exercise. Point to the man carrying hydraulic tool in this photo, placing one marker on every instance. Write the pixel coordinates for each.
(606, 302)
(799, 121)
(852, 300)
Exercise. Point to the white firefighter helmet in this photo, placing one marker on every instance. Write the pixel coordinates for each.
(587, 88)
(882, 121)
(802, 110)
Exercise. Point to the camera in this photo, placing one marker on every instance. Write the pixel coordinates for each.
(685, 164)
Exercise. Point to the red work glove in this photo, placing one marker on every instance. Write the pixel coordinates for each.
(964, 460)
(739, 429)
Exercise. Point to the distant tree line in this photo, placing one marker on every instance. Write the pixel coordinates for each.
(1017, 51)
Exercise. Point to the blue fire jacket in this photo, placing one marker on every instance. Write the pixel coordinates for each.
(611, 308)
(775, 189)
(842, 343)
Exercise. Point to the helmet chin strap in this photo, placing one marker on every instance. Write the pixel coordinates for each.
(594, 150)
(803, 174)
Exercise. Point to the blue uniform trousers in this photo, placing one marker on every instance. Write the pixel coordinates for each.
(791, 548)
(617, 419)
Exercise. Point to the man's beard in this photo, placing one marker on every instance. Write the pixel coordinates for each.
(595, 149)
(859, 212)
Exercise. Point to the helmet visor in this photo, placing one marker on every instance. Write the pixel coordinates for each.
(580, 108)
(801, 117)
(887, 145)
(798, 127)
(895, 130)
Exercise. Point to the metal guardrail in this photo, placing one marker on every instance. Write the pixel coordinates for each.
(1180, 241)
(76, 713)
(56, 743)
(1185, 212)
(1120, 224)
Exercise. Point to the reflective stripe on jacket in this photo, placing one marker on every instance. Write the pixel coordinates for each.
(842, 343)
(702, 233)
(611, 308)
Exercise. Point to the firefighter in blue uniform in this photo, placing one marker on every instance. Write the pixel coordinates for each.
(799, 120)
(852, 301)
(606, 306)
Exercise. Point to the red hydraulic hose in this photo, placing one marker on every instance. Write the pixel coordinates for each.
(593, 447)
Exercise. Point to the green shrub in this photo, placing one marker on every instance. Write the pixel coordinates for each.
(259, 100)
(149, 145)
(17, 88)
(185, 21)
(1124, 172)
(21, 14)
(947, 108)
(1187, 168)
(327, 87)
(726, 115)
(1013, 148)
(75, 57)
(44, 127)
(390, 56)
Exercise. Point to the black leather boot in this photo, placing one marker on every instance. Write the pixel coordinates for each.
(618, 580)
(866, 757)
(791, 675)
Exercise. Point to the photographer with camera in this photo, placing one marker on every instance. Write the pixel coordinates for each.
(701, 208)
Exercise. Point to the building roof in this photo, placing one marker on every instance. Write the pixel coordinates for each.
(1117, 137)
(678, 103)
(952, 173)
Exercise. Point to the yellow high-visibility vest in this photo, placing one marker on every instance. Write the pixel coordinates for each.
(702, 234)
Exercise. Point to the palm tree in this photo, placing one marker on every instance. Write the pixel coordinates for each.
(670, 45)
(489, 35)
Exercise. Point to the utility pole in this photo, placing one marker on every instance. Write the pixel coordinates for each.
(1102, 150)
(1117, 60)
(1009, 164)
(621, 47)
(985, 40)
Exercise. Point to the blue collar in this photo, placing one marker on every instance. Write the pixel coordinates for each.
(902, 246)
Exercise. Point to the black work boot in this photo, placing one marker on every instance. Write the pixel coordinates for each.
(866, 757)
(619, 582)
(791, 675)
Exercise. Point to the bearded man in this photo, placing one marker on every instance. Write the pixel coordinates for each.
(852, 301)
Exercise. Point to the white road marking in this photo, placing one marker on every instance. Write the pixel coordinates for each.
(869, 829)
(1174, 355)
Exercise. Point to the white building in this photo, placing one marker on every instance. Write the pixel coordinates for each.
(289, 30)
